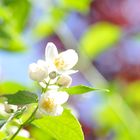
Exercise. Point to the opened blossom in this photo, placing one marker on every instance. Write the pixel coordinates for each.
(51, 102)
(61, 62)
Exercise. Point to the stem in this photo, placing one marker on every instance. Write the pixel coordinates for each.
(9, 119)
(25, 123)
(47, 84)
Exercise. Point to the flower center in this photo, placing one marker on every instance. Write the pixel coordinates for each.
(59, 63)
(48, 105)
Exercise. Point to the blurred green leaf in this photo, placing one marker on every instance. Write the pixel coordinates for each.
(2, 135)
(21, 98)
(132, 94)
(46, 26)
(2, 122)
(19, 12)
(81, 6)
(13, 20)
(99, 37)
(64, 127)
(11, 87)
(80, 89)
(43, 28)
(118, 118)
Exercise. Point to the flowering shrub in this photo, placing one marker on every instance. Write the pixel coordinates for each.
(46, 110)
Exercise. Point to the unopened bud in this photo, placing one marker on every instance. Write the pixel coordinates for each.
(38, 71)
(53, 75)
(64, 81)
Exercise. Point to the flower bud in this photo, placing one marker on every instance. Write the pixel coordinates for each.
(37, 72)
(64, 80)
(53, 75)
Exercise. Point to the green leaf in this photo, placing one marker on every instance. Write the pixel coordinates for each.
(2, 122)
(37, 134)
(99, 37)
(2, 135)
(21, 138)
(80, 89)
(10, 87)
(64, 127)
(77, 5)
(21, 98)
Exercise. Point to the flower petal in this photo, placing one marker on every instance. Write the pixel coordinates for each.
(70, 58)
(69, 72)
(61, 98)
(58, 110)
(50, 51)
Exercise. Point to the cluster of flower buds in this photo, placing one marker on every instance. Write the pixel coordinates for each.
(53, 73)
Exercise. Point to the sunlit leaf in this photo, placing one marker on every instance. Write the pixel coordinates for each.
(21, 98)
(21, 138)
(2, 135)
(80, 89)
(39, 135)
(99, 37)
(64, 127)
(11, 87)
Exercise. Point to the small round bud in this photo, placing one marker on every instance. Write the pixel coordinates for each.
(64, 81)
(53, 75)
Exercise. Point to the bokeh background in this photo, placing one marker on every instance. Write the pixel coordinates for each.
(105, 33)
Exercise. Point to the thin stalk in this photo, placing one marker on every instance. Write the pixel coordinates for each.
(9, 119)
(25, 123)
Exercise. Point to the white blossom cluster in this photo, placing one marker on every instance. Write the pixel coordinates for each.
(53, 73)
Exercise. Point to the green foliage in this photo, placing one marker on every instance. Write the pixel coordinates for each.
(21, 98)
(80, 89)
(132, 94)
(17, 13)
(80, 6)
(11, 87)
(46, 26)
(2, 121)
(43, 28)
(37, 134)
(13, 18)
(21, 138)
(2, 135)
(99, 37)
(116, 116)
(64, 127)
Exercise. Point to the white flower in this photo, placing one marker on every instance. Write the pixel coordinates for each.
(64, 80)
(51, 101)
(61, 62)
(38, 71)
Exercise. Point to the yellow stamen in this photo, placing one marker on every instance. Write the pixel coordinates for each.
(48, 105)
(59, 63)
